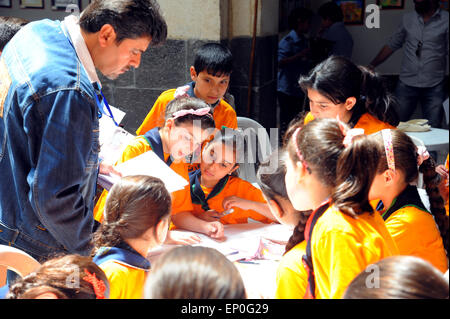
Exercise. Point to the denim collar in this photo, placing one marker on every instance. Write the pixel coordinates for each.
(123, 254)
(73, 28)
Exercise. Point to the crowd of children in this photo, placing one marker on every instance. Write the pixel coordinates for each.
(344, 184)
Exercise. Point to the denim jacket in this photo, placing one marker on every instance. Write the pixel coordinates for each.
(48, 144)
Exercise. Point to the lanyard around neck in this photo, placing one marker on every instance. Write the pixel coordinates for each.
(99, 104)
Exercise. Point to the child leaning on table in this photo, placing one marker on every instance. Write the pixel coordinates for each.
(292, 278)
(137, 217)
(216, 188)
(189, 272)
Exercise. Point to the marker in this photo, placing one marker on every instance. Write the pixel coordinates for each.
(225, 213)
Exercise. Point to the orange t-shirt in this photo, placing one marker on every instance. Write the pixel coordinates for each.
(181, 200)
(343, 246)
(368, 122)
(224, 114)
(234, 187)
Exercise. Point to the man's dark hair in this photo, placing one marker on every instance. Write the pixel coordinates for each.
(330, 10)
(213, 58)
(130, 19)
(299, 14)
(9, 26)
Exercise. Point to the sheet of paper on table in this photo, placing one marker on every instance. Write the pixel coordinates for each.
(147, 164)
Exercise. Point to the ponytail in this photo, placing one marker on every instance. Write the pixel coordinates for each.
(379, 102)
(437, 206)
(356, 169)
(299, 231)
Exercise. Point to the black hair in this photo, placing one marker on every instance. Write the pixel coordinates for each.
(330, 10)
(338, 78)
(9, 26)
(188, 103)
(130, 19)
(299, 14)
(213, 58)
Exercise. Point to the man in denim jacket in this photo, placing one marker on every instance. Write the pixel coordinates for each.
(50, 102)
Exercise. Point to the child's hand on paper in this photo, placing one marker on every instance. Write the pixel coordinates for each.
(234, 201)
(108, 169)
(215, 230)
(181, 238)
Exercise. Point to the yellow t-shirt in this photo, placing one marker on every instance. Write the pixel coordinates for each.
(224, 114)
(416, 234)
(125, 282)
(292, 277)
(343, 246)
(181, 200)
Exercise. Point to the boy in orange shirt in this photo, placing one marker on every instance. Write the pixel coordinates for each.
(210, 76)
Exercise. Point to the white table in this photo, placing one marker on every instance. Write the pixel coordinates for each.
(259, 275)
(435, 140)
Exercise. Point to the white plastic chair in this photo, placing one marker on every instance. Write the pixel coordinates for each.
(16, 260)
(258, 147)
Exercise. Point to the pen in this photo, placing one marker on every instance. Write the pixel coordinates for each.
(247, 262)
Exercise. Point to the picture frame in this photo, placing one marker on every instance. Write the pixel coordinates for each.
(34, 4)
(5, 3)
(58, 5)
(444, 4)
(391, 4)
(353, 11)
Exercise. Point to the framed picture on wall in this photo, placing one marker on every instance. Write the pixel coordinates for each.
(444, 4)
(5, 3)
(39, 4)
(63, 4)
(391, 4)
(353, 11)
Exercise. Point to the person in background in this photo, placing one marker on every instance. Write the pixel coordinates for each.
(137, 218)
(334, 30)
(399, 277)
(63, 277)
(423, 35)
(49, 119)
(329, 170)
(442, 170)
(415, 230)
(210, 76)
(189, 272)
(293, 61)
(9, 26)
(338, 88)
(292, 277)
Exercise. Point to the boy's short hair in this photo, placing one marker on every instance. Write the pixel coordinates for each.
(9, 26)
(213, 58)
(130, 19)
(330, 10)
(299, 14)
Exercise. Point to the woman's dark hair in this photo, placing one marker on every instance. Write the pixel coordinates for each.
(330, 10)
(214, 58)
(134, 205)
(273, 186)
(299, 14)
(338, 78)
(64, 276)
(190, 272)
(189, 103)
(405, 156)
(349, 171)
(399, 277)
(130, 19)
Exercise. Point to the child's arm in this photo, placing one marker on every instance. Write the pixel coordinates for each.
(186, 220)
(235, 201)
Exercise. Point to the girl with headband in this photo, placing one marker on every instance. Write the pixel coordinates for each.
(188, 122)
(416, 231)
(329, 170)
(338, 87)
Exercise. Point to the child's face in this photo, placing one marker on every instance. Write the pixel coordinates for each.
(184, 139)
(322, 107)
(378, 187)
(297, 192)
(218, 160)
(209, 88)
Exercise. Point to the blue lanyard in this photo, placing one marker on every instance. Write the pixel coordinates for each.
(107, 107)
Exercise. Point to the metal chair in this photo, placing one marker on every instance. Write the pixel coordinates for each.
(16, 260)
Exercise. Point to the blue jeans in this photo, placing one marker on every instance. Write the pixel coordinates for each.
(430, 99)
